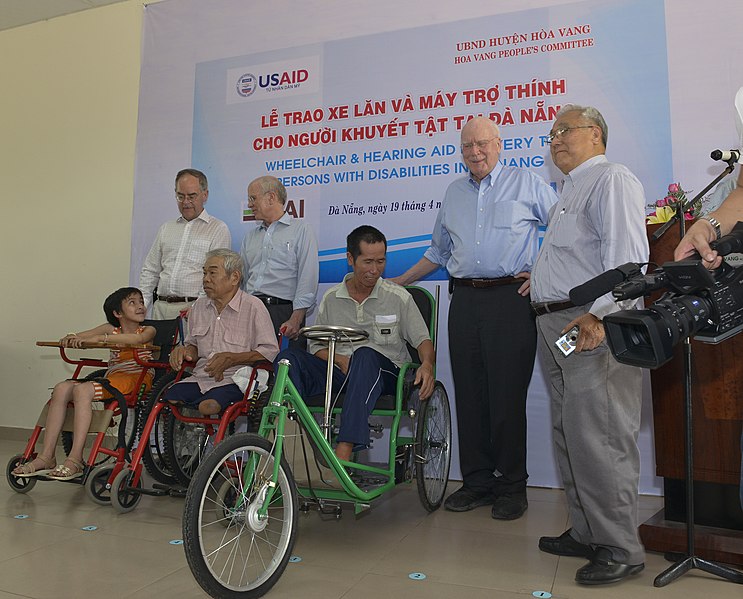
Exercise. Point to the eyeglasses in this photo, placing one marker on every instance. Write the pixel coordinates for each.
(563, 130)
(252, 199)
(480, 144)
(182, 197)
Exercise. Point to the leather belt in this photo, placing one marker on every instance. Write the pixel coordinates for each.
(542, 308)
(269, 300)
(484, 283)
(174, 299)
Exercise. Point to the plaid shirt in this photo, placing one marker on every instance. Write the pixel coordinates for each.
(243, 325)
(176, 258)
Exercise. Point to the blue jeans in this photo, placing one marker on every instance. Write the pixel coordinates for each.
(370, 375)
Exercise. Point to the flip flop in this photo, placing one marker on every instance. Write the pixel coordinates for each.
(28, 470)
(64, 472)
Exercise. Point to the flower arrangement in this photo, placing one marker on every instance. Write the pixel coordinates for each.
(665, 208)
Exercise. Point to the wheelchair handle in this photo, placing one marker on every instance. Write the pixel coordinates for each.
(326, 332)
(98, 345)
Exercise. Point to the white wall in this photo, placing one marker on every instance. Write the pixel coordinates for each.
(68, 121)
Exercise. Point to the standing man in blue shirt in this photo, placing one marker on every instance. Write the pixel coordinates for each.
(487, 237)
(281, 266)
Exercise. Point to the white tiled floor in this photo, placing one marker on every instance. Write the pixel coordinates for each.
(467, 556)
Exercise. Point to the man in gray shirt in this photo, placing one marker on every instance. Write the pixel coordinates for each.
(367, 369)
(598, 224)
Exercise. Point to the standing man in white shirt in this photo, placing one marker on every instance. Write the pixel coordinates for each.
(281, 265)
(173, 267)
(598, 224)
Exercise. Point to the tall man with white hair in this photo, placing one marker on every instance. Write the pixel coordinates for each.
(172, 268)
(598, 224)
(281, 265)
(487, 236)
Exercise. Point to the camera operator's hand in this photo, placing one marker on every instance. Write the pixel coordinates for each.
(697, 239)
(590, 334)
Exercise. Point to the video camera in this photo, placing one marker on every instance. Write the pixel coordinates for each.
(699, 303)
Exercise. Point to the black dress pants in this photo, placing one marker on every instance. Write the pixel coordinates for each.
(492, 345)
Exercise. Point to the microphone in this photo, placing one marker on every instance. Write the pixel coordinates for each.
(603, 283)
(726, 155)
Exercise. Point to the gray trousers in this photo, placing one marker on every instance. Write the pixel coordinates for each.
(596, 405)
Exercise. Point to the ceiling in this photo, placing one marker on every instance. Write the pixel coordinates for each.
(14, 13)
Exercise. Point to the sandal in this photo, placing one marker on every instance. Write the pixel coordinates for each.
(28, 469)
(65, 472)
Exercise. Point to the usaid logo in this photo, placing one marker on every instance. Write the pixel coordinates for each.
(271, 82)
(285, 78)
(246, 85)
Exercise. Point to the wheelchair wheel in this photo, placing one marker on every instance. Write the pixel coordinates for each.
(111, 439)
(186, 443)
(96, 485)
(20, 484)
(230, 550)
(433, 448)
(153, 458)
(124, 500)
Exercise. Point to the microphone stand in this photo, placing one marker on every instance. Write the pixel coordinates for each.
(690, 560)
(682, 209)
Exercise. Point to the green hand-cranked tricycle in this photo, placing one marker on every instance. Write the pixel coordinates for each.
(241, 510)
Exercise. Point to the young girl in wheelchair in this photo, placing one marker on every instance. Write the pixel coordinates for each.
(125, 312)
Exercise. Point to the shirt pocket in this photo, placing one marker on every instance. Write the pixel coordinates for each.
(284, 253)
(565, 232)
(386, 329)
(198, 332)
(235, 339)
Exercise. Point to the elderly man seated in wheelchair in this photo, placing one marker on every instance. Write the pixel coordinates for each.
(368, 369)
(227, 330)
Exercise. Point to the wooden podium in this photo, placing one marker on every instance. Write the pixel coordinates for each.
(717, 405)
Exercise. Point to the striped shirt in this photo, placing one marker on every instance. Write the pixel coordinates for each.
(175, 261)
(598, 224)
(123, 371)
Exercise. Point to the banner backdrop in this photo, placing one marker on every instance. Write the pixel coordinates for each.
(365, 129)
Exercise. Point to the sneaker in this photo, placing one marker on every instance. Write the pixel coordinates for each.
(466, 499)
(509, 507)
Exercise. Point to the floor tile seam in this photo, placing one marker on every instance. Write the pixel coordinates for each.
(163, 577)
(492, 532)
(14, 594)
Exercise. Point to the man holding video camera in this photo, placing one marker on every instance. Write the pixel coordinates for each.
(598, 224)
(711, 227)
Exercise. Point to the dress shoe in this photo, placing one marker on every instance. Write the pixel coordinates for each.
(604, 570)
(509, 507)
(466, 499)
(565, 545)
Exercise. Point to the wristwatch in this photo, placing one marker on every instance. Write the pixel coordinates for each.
(715, 224)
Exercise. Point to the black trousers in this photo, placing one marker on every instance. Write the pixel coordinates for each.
(279, 314)
(492, 345)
